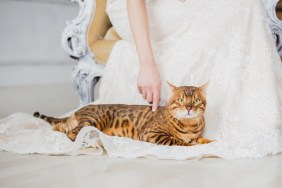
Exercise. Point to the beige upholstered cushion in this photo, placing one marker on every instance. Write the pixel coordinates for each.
(101, 36)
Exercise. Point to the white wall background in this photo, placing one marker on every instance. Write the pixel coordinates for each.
(30, 41)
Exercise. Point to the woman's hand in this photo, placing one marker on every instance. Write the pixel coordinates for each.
(149, 83)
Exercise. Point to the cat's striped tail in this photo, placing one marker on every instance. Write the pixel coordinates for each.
(46, 118)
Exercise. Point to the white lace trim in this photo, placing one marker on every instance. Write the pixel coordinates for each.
(35, 136)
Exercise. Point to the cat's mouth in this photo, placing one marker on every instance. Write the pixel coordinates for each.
(185, 114)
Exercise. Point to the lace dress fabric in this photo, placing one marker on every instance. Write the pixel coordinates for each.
(224, 42)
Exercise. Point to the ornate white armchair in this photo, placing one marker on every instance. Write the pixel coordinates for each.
(85, 37)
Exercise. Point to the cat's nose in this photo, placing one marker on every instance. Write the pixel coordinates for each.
(189, 108)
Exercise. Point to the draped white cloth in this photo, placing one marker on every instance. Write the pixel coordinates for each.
(225, 42)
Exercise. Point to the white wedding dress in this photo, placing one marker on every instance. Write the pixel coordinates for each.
(227, 43)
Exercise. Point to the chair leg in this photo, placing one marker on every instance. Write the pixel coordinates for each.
(85, 76)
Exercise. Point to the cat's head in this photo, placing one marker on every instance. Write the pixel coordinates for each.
(187, 102)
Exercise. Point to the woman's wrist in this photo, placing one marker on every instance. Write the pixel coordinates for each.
(147, 62)
(146, 58)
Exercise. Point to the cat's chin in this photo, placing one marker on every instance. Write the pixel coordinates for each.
(188, 117)
(180, 115)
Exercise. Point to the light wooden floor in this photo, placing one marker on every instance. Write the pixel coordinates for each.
(103, 171)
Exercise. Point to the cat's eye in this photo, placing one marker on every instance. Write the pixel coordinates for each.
(196, 100)
(181, 100)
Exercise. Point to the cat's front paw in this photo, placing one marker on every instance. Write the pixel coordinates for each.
(204, 141)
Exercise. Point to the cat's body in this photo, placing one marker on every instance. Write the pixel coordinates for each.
(167, 126)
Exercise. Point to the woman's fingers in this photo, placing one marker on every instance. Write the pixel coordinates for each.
(144, 93)
(147, 94)
(156, 99)
(149, 84)
(151, 97)
(139, 89)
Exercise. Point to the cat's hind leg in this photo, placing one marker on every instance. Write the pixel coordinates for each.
(72, 134)
(66, 125)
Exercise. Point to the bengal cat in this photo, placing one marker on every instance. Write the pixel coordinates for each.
(180, 123)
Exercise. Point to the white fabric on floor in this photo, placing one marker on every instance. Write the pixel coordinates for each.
(225, 42)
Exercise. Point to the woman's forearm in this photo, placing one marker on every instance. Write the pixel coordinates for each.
(148, 82)
(139, 26)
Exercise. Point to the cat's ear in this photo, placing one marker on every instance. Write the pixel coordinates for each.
(204, 87)
(172, 87)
